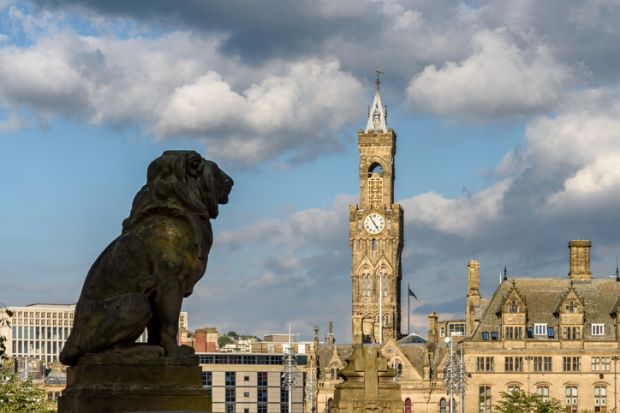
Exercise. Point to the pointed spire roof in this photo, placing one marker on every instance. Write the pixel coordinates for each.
(377, 113)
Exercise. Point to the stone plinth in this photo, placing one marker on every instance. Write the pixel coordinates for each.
(368, 384)
(108, 383)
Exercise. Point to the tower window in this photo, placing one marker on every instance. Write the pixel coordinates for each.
(375, 168)
(375, 185)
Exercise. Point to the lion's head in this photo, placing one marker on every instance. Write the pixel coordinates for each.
(184, 182)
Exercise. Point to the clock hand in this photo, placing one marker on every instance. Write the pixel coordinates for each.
(374, 223)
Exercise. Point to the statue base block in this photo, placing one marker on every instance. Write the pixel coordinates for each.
(108, 384)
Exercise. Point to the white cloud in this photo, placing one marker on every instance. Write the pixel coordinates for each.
(163, 86)
(499, 79)
(311, 97)
(462, 217)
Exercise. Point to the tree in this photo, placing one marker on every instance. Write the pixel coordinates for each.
(520, 402)
(21, 396)
(223, 340)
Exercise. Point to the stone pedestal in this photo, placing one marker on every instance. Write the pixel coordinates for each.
(103, 383)
(368, 385)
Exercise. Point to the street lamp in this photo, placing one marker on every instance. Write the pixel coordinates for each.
(454, 375)
(615, 359)
(450, 370)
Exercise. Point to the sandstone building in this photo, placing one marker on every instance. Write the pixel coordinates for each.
(557, 337)
(375, 234)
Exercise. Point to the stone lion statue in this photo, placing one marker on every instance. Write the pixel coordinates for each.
(140, 279)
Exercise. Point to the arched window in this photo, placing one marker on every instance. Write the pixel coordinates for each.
(399, 369)
(600, 398)
(572, 398)
(365, 284)
(375, 185)
(514, 388)
(543, 392)
(485, 399)
(329, 405)
(442, 406)
(514, 306)
(375, 168)
(407, 405)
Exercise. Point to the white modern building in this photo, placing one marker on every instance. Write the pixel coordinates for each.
(41, 330)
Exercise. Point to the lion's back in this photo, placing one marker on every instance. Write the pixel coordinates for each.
(158, 245)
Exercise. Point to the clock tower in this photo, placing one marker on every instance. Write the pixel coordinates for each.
(376, 234)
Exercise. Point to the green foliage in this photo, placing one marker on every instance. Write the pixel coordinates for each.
(232, 334)
(3, 356)
(21, 397)
(520, 402)
(223, 340)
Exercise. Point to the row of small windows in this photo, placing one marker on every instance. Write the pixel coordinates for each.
(267, 359)
(454, 329)
(571, 399)
(38, 314)
(571, 306)
(40, 333)
(543, 363)
(543, 330)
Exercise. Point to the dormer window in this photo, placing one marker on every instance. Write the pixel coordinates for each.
(540, 329)
(571, 306)
(513, 307)
(598, 329)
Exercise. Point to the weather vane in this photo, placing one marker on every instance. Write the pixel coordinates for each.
(379, 73)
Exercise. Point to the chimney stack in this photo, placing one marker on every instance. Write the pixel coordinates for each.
(432, 327)
(473, 282)
(579, 252)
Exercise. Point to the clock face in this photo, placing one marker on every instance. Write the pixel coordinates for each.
(374, 223)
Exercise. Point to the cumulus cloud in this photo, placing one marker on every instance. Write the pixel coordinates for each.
(462, 217)
(164, 87)
(311, 98)
(498, 80)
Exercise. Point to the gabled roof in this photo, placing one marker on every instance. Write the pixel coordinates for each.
(543, 295)
(513, 292)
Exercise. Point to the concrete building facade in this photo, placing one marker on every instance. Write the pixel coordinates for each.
(41, 330)
(253, 383)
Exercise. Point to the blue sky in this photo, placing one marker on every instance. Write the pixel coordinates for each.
(506, 114)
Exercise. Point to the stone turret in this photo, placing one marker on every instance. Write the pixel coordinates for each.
(432, 327)
(473, 296)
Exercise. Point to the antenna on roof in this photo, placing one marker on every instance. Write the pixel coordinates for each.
(617, 270)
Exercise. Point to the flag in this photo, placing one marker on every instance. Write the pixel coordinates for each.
(411, 293)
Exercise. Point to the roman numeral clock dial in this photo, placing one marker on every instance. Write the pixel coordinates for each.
(374, 223)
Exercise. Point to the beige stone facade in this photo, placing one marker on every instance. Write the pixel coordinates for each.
(558, 337)
(375, 236)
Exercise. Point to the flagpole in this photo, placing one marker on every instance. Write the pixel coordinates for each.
(408, 310)
(381, 307)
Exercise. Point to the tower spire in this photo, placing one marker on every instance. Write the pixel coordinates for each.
(377, 113)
